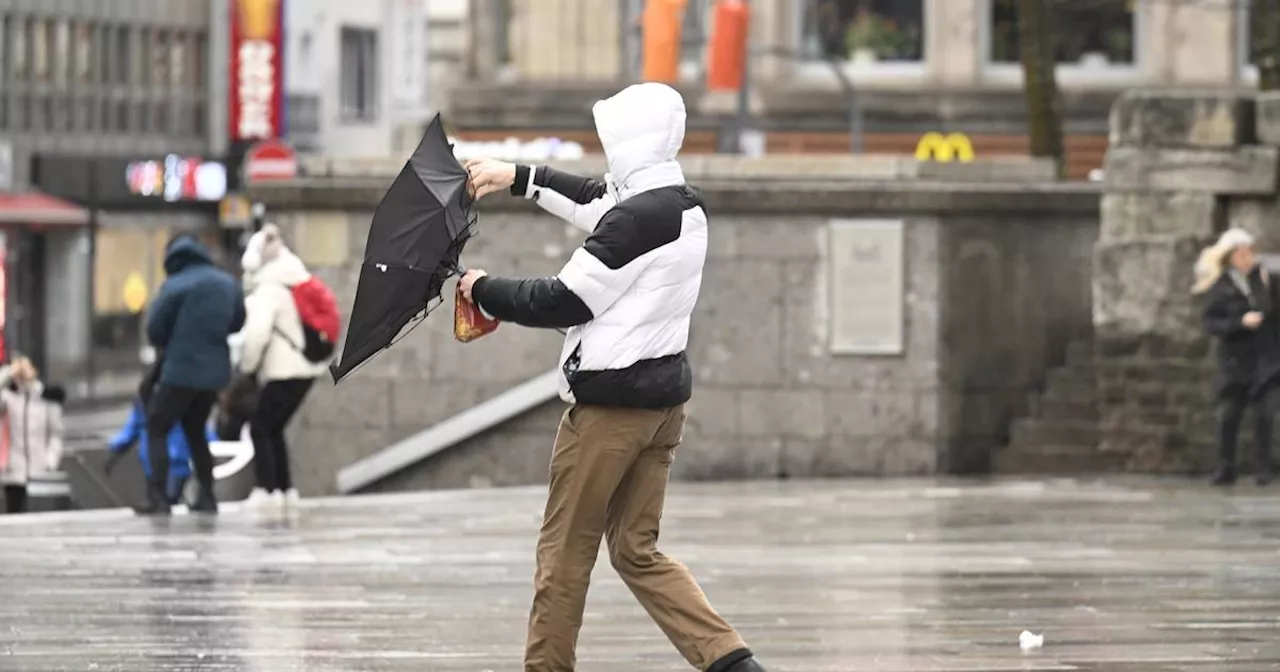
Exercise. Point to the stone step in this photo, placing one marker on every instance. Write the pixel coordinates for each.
(1055, 459)
(1069, 385)
(1033, 432)
(1051, 408)
(1080, 353)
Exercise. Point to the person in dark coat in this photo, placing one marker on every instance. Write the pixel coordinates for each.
(1240, 310)
(196, 309)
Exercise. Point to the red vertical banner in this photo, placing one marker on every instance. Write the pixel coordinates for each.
(257, 70)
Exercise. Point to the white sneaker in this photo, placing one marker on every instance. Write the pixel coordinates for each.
(277, 500)
(258, 499)
(292, 499)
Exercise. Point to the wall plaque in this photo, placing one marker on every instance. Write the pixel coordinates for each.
(867, 286)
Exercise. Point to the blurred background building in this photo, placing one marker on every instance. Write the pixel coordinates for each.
(914, 66)
(124, 121)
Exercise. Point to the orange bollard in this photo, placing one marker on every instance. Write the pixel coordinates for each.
(727, 56)
(662, 23)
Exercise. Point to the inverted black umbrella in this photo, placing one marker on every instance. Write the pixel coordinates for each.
(415, 240)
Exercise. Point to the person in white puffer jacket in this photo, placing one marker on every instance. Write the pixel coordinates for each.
(271, 350)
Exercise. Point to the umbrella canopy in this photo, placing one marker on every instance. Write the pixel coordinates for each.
(415, 240)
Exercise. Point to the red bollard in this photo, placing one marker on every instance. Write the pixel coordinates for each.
(727, 56)
(662, 23)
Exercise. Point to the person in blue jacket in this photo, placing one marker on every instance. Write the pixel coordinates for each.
(196, 309)
(135, 432)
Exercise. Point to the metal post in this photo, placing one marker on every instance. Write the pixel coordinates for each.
(259, 216)
(91, 357)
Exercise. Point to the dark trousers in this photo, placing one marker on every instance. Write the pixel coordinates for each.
(15, 498)
(279, 401)
(189, 409)
(1232, 406)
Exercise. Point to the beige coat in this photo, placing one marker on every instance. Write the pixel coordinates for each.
(35, 431)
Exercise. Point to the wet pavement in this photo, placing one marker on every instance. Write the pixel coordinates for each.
(830, 576)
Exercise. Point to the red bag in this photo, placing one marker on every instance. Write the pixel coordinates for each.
(321, 323)
(469, 322)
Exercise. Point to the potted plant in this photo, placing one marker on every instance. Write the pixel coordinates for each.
(870, 38)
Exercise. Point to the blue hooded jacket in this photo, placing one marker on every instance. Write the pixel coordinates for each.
(135, 431)
(196, 309)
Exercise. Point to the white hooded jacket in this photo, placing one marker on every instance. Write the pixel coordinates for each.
(627, 295)
(272, 339)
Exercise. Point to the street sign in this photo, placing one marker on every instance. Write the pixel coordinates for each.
(270, 160)
(135, 293)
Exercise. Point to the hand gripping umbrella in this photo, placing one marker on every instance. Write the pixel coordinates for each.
(414, 243)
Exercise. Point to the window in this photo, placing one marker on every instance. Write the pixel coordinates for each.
(359, 83)
(123, 57)
(199, 75)
(61, 61)
(18, 49)
(177, 61)
(864, 32)
(1092, 34)
(40, 50)
(84, 54)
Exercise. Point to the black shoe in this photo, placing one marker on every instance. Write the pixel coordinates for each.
(738, 661)
(205, 503)
(157, 504)
(1225, 477)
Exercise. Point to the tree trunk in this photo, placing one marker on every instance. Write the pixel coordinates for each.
(1044, 126)
(1266, 14)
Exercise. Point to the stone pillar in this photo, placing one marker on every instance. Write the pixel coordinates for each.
(953, 48)
(567, 40)
(1190, 43)
(1261, 216)
(1174, 159)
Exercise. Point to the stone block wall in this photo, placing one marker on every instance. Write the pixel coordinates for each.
(770, 399)
(1181, 169)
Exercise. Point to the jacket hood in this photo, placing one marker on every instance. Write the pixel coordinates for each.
(285, 269)
(641, 129)
(184, 252)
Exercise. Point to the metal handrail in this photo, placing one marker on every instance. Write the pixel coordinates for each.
(519, 399)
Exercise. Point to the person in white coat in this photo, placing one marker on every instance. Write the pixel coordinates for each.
(271, 350)
(35, 431)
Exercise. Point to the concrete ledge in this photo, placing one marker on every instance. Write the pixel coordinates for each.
(816, 197)
(702, 168)
(1249, 170)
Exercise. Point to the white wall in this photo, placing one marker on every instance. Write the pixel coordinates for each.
(313, 67)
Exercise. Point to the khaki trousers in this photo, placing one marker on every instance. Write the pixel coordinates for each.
(609, 478)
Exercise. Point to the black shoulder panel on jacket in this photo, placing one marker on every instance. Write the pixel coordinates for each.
(639, 225)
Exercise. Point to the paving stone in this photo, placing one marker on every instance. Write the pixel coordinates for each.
(829, 576)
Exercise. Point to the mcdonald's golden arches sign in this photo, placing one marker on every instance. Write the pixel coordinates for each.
(944, 148)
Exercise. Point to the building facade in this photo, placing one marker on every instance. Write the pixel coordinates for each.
(97, 97)
(357, 75)
(835, 75)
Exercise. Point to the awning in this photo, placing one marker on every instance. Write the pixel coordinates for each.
(34, 208)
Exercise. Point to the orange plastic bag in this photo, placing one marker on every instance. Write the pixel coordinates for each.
(469, 322)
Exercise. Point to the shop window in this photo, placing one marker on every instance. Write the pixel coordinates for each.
(864, 32)
(1095, 35)
(359, 74)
